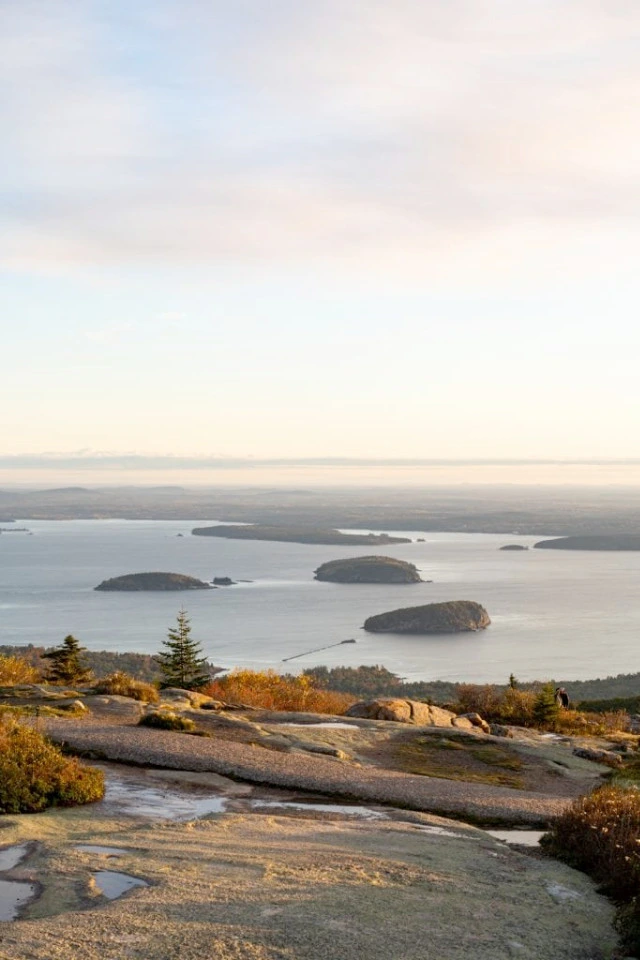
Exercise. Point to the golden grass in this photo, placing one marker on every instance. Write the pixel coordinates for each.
(271, 691)
(14, 670)
(120, 684)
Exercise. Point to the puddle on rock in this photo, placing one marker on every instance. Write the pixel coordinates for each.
(328, 725)
(441, 831)
(350, 811)
(131, 793)
(523, 838)
(10, 857)
(106, 851)
(14, 895)
(113, 885)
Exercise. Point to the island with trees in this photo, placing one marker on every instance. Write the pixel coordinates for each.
(452, 616)
(368, 570)
(153, 581)
(296, 535)
(612, 541)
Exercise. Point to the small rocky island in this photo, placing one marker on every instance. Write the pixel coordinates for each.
(368, 570)
(296, 535)
(453, 616)
(514, 546)
(154, 581)
(613, 541)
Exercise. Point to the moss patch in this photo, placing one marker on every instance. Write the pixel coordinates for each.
(460, 759)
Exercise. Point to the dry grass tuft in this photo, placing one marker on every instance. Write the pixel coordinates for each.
(14, 670)
(120, 684)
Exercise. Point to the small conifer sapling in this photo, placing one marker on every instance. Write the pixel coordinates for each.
(65, 663)
(181, 663)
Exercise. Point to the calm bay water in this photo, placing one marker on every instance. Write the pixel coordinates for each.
(554, 613)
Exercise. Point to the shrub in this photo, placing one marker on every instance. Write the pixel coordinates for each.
(120, 684)
(167, 720)
(600, 834)
(35, 775)
(15, 670)
(510, 705)
(272, 691)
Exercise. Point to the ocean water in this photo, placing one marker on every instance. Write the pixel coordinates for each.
(554, 613)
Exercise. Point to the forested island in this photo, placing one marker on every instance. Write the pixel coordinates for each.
(368, 570)
(612, 541)
(452, 616)
(154, 581)
(296, 535)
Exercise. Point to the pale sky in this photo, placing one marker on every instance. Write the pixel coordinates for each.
(354, 228)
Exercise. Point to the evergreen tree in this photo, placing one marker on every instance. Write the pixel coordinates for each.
(66, 664)
(181, 663)
(546, 709)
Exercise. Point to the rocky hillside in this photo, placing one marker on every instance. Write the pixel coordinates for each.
(295, 535)
(154, 581)
(368, 570)
(616, 541)
(453, 616)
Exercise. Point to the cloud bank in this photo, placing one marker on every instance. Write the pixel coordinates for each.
(420, 135)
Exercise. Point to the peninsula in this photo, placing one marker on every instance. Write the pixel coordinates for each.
(452, 616)
(612, 541)
(153, 581)
(368, 570)
(296, 535)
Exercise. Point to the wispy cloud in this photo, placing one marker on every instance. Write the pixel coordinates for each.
(406, 134)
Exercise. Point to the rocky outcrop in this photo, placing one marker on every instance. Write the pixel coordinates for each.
(514, 546)
(368, 570)
(153, 581)
(402, 711)
(607, 757)
(223, 582)
(296, 535)
(618, 541)
(453, 616)
(475, 720)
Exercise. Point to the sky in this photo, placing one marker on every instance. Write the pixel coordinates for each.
(339, 228)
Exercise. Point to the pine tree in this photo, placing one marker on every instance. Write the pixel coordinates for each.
(545, 708)
(181, 664)
(66, 664)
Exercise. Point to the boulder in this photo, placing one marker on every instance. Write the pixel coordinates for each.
(402, 711)
(476, 721)
(462, 723)
(607, 757)
(73, 706)
(500, 730)
(176, 697)
(453, 616)
(115, 706)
